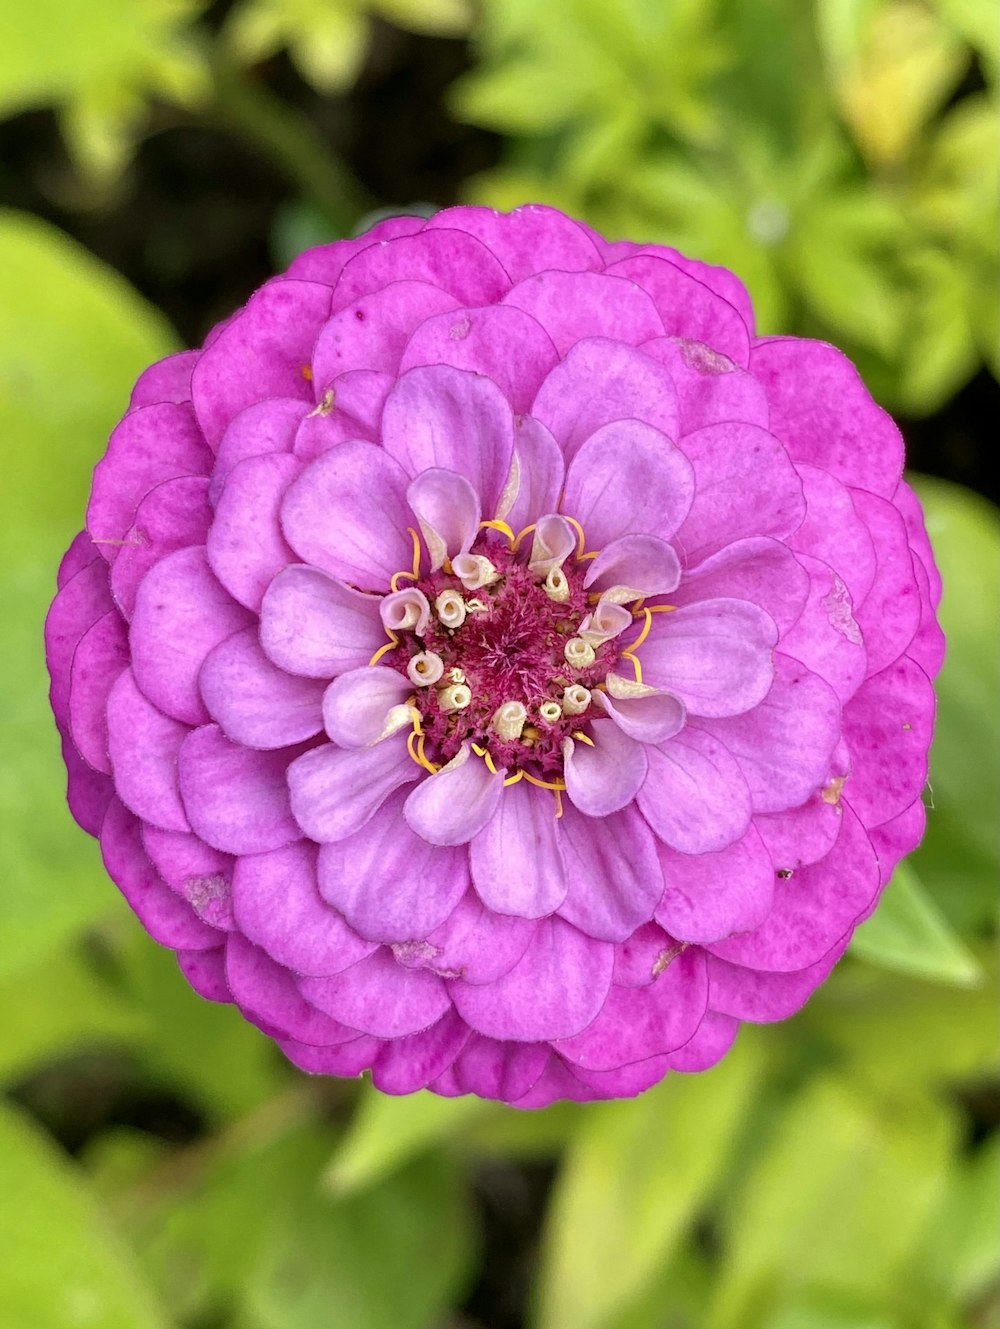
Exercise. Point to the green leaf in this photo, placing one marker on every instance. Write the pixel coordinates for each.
(73, 338)
(61, 1265)
(395, 1254)
(386, 1132)
(909, 933)
(634, 1177)
(958, 860)
(837, 1202)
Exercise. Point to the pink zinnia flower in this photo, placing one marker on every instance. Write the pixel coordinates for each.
(489, 663)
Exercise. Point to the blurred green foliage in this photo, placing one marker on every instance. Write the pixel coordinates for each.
(824, 1175)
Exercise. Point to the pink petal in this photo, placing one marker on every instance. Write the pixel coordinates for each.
(277, 904)
(802, 835)
(456, 262)
(267, 994)
(501, 342)
(235, 798)
(650, 718)
(168, 380)
(172, 516)
(695, 797)
(888, 727)
(833, 532)
(823, 412)
(715, 656)
(710, 896)
(449, 808)
(150, 445)
(256, 703)
(638, 1023)
(503, 1071)
(261, 353)
(532, 238)
(313, 625)
(266, 427)
(814, 909)
(473, 943)
(83, 599)
(613, 873)
(80, 553)
(784, 746)
(538, 464)
(195, 871)
(574, 305)
(437, 416)
(380, 997)
(356, 704)
(88, 793)
(335, 791)
(900, 836)
(600, 381)
(324, 263)
(555, 989)
(181, 613)
(688, 308)
(372, 331)
(745, 485)
(447, 509)
(639, 959)
(710, 387)
(206, 972)
(628, 477)
(517, 865)
(407, 1064)
(245, 545)
(347, 514)
(345, 1059)
(748, 994)
(144, 745)
(712, 1040)
(351, 409)
(889, 615)
(757, 569)
(641, 563)
(388, 882)
(165, 916)
(98, 661)
(606, 776)
(826, 637)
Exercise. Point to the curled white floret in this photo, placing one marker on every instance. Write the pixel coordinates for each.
(575, 699)
(509, 720)
(406, 611)
(450, 609)
(550, 712)
(425, 669)
(556, 585)
(474, 571)
(579, 653)
(455, 697)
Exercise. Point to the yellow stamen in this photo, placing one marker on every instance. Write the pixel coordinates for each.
(397, 577)
(634, 661)
(659, 609)
(390, 645)
(502, 527)
(513, 779)
(416, 552)
(521, 534)
(581, 539)
(581, 737)
(415, 747)
(559, 807)
(634, 646)
(544, 784)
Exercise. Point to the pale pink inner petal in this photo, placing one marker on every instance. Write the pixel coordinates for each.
(455, 804)
(335, 791)
(605, 775)
(312, 624)
(517, 864)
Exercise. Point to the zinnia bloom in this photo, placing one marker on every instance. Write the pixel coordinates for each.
(489, 663)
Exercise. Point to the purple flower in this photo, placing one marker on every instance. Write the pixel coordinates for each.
(489, 663)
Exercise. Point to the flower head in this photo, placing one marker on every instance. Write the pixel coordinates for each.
(489, 663)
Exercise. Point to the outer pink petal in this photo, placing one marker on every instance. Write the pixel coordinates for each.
(407, 1064)
(195, 871)
(757, 569)
(168, 380)
(888, 727)
(235, 798)
(144, 745)
(88, 793)
(532, 238)
(710, 896)
(687, 307)
(389, 883)
(613, 873)
(826, 637)
(380, 997)
(181, 613)
(456, 262)
(574, 305)
(748, 994)
(599, 381)
(833, 532)
(265, 427)
(82, 600)
(814, 909)
(172, 516)
(555, 989)
(268, 996)
(335, 791)
(504, 1071)
(711, 388)
(206, 972)
(713, 1039)
(350, 409)
(313, 625)
(889, 615)
(256, 703)
(277, 904)
(346, 1059)
(504, 343)
(347, 514)
(823, 412)
(372, 331)
(695, 797)
(324, 263)
(437, 416)
(473, 943)
(638, 1023)
(745, 485)
(261, 353)
(517, 865)
(628, 477)
(98, 661)
(245, 545)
